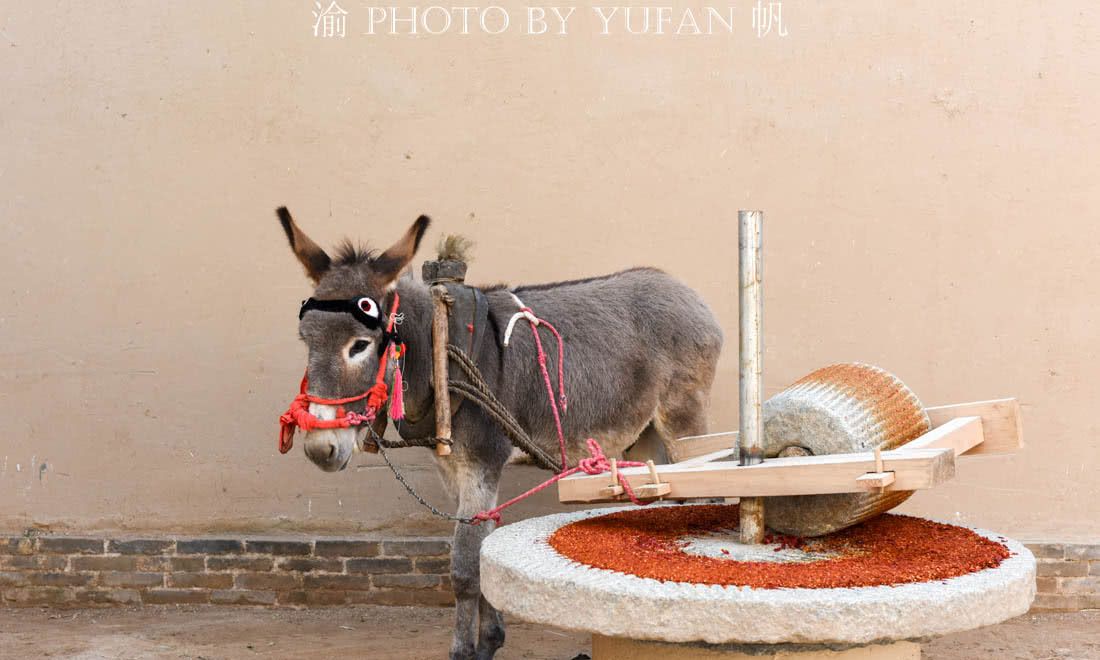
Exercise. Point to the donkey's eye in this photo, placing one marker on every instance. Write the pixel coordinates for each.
(358, 347)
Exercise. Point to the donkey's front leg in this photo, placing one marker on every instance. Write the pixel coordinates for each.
(477, 491)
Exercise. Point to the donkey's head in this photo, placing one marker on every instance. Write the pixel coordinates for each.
(343, 325)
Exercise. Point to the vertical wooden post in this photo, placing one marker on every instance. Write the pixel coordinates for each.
(751, 385)
(439, 370)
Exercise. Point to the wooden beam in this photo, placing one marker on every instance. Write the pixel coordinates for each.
(713, 456)
(1001, 428)
(693, 446)
(959, 435)
(913, 469)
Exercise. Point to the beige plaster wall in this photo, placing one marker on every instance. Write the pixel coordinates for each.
(928, 170)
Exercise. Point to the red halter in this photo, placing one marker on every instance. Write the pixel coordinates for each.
(298, 415)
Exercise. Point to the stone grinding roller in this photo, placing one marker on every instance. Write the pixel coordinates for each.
(839, 409)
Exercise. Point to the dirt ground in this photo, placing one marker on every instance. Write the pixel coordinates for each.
(400, 633)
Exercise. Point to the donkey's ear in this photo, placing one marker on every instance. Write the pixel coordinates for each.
(390, 263)
(313, 258)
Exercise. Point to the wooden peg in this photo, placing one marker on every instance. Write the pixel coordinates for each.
(654, 488)
(876, 481)
(879, 479)
(615, 489)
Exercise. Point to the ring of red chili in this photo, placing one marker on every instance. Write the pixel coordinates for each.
(887, 550)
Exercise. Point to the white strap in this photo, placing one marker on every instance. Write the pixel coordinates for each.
(522, 313)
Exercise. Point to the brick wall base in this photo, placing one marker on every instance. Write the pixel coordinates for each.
(81, 571)
(1068, 576)
(291, 572)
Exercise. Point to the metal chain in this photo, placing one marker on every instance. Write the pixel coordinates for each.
(477, 391)
(379, 442)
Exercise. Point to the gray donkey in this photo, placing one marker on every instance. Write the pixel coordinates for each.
(640, 352)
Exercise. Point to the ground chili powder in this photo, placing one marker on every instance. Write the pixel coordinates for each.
(887, 550)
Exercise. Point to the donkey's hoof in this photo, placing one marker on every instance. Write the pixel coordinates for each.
(464, 653)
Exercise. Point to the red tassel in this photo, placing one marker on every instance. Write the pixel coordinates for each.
(397, 402)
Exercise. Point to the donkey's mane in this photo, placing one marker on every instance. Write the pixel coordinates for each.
(352, 254)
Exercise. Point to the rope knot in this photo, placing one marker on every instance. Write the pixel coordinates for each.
(596, 463)
(486, 516)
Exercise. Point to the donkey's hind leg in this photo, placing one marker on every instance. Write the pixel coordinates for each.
(682, 411)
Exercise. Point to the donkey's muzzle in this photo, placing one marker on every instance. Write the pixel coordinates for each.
(330, 450)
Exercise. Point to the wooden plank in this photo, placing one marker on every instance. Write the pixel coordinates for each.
(694, 446)
(959, 435)
(1001, 426)
(651, 491)
(707, 458)
(913, 469)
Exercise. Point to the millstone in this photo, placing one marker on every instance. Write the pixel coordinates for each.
(839, 409)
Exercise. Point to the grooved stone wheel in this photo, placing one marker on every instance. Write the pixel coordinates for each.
(839, 409)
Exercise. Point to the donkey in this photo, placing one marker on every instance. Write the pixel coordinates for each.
(640, 351)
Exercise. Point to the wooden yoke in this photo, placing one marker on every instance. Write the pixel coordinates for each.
(435, 273)
(440, 304)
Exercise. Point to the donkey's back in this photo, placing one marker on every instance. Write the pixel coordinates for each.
(641, 349)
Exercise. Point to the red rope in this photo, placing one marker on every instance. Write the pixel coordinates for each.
(534, 322)
(596, 463)
(297, 416)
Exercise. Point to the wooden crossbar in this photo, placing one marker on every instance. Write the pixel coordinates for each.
(913, 469)
(696, 446)
(713, 456)
(960, 435)
(965, 429)
(1001, 428)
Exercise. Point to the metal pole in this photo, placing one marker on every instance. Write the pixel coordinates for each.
(751, 298)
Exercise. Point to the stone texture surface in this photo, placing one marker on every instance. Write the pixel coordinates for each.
(523, 576)
(86, 571)
(728, 546)
(839, 409)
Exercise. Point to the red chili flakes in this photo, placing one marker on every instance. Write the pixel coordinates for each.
(887, 550)
(784, 541)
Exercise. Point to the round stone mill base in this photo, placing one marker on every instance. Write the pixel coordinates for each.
(672, 581)
(617, 648)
